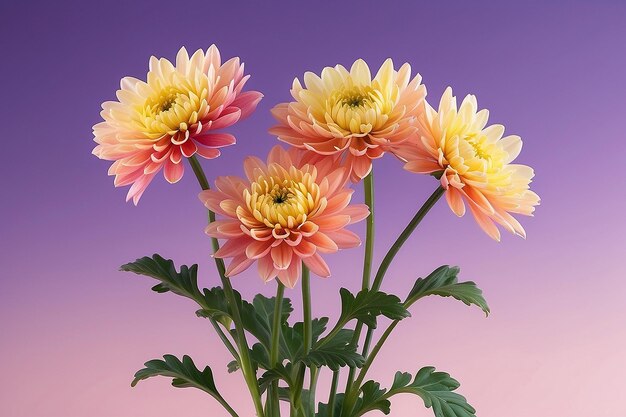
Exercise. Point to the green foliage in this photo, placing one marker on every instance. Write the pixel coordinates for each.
(367, 305)
(323, 409)
(215, 305)
(292, 337)
(184, 374)
(435, 389)
(336, 353)
(183, 283)
(336, 350)
(257, 317)
(443, 282)
(372, 398)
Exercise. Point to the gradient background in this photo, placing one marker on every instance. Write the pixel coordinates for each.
(73, 330)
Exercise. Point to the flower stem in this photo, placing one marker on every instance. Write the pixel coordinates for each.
(368, 187)
(333, 394)
(307, 336)
(408, 230)
(312, 387)
(272, 397)
(242, 343)
(353, 389)
(224, 339)
(306, 308)
(278, 307)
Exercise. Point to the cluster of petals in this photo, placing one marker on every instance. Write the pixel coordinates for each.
(288, 210)
(474, 162)
(155, 124)
(352, 114)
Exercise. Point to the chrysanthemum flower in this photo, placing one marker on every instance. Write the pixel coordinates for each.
(154, 124)
(289, 210)
(474, 162)
(349, 113)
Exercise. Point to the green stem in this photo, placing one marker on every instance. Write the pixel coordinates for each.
(353, 390)
(307, 336)
(312, 387)
(280, 291)
(225, 340)
(375, 350)
(242, 343)
(306, 308)
(333, 393)
(408, 230)
(227, 406)
(273, 398)
(368, 187)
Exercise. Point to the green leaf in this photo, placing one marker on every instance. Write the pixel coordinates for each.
(336, 353)
(233, 366)
(373, 399)
(324, 411)
(367, 305)
(257, 317)
(443, 282)
(280, 372)
(183, 283)
(215, 306)
(436, 390)
(184, 374)
(291, 340)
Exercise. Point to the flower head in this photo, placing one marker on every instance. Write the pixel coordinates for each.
(155, 123)
(349, 113)
(288, 211)
(474, 161)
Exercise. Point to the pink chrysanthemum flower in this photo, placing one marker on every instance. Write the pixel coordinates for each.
(349, 113)
(289, 210)
(475, 164)
(154, 124)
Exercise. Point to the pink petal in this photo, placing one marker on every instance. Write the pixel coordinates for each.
(281, 255)
(233, 248)
(229, 117)
(289, 277)
(345, 238)
(323, 243)
(208, 153)
(317, 265)
(238, 264)
(455, 201)
(485, 222)
(215, 140)
(357, 212)
(247, 102)
(173, 172)
(266, 268)
(257, 248)
(188, 148)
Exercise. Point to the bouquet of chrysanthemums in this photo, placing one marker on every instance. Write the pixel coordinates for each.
(293, 208)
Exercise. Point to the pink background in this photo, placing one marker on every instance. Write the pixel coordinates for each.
(73, 330)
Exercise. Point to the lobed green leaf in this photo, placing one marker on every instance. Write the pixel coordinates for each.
(443, 281)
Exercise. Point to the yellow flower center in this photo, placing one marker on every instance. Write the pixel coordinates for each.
(477, 154)
(478, 144)
(172, 108)
(281, 199)
(357, 109)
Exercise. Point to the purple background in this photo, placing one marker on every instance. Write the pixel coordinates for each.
(73, 330)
